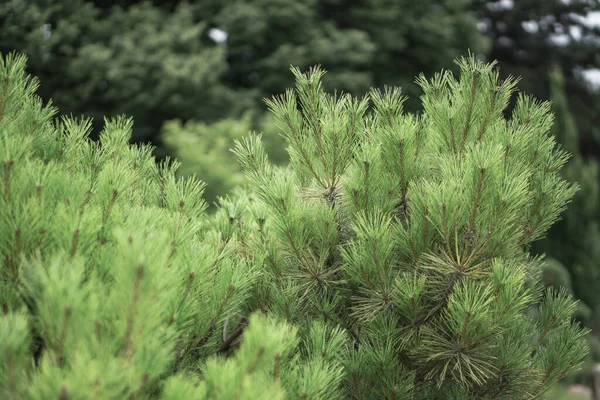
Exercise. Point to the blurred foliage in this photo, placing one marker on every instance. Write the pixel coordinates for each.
(156, 61)
(575, 240)
(561, 392)
(530, 36)
(203, 149)
(140, 61)
(360, 43)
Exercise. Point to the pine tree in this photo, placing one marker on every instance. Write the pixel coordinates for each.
(387, 260)
(412, 233)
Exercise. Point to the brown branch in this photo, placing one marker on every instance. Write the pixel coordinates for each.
(235, 333)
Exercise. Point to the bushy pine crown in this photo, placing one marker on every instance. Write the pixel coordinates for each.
(387, 261)
(411, 232)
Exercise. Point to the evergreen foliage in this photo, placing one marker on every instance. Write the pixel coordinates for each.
(385, 262)
(409, 232)
(107, 283)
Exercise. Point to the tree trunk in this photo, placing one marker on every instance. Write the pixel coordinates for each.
(596, 382)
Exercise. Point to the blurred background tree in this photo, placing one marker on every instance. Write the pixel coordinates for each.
(203, 149)
(575, 240)
(360, 43)
(530, 36)
(143, 61)
(573, 243)
(212, 59)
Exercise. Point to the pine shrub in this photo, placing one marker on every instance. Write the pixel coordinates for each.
(388, 260)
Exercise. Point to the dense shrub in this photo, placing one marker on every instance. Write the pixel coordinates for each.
(387, 260)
